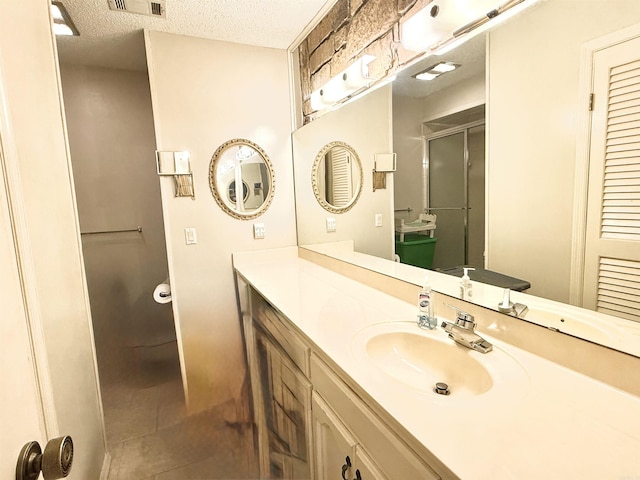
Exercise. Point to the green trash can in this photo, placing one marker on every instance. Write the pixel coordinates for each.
(416, 249)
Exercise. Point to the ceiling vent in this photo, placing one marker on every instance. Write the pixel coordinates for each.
(151, 8)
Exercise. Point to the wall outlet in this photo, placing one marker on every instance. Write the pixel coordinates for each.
(190, 237)
(331, 225)
(378, 219)
(258, 230)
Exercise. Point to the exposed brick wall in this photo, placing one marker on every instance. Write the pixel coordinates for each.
(353, 28)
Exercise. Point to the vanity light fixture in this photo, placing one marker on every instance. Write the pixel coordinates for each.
(436, 70)
(62, 23)
(445, 24)
(346, 83)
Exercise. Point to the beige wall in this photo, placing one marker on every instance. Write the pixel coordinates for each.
(532, 118)
(466, 94)
(205, 92)
(366, 126)
(56, 279)
(112, 143)
(409, 147)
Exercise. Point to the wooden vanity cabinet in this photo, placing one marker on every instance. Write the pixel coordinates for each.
(286, 401)
(310, 423)
(280, 389)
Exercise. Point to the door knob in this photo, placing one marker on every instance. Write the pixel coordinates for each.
(54, 463)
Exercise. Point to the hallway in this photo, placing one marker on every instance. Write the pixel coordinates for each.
(150, 437)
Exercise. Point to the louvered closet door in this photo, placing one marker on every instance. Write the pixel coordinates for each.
(612, 256)
(339, 170)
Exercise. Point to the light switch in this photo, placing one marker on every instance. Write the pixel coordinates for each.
(331, 225)
(190, 237)
(181, 160)
(258, 230)
(378, 219)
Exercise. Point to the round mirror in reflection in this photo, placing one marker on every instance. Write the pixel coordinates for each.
(337, 177)
(241, 162)
(231, 192)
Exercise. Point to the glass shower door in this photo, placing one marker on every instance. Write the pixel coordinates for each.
(447, 196)
(475, 197)
(455, 193)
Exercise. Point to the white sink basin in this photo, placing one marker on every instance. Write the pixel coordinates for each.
(419, 359)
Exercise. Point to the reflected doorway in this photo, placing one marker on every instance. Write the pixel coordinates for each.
(455, 191)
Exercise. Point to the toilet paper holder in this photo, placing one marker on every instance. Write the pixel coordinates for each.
(162, 292)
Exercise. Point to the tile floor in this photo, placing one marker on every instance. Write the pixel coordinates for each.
(150, 436)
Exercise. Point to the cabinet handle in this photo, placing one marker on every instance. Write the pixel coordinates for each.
(358, 477)
(346, 467)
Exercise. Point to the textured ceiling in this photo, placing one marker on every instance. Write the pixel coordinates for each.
(114, 39)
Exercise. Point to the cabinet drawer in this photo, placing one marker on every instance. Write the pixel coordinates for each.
(278, 328)
(393, 457)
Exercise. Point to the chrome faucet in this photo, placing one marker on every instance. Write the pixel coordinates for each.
(463, 332)
(517, 310)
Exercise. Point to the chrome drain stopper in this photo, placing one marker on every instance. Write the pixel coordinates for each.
(441, 388)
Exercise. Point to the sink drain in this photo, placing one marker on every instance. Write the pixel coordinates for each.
(442, 388)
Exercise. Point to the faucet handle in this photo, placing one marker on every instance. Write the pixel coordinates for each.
(506, 306)
(463, 319)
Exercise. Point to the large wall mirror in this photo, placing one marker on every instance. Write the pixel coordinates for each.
(320, 218)
(529, 74)
(241, 179)
(336, 177)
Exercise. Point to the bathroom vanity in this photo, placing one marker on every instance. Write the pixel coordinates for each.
(343, 385)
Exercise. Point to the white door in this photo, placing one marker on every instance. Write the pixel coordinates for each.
(21, 417)
(612, 256)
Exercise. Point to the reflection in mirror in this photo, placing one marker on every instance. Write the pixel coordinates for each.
(337, 177)
(232, 192)
(533, 134)
(241, 162)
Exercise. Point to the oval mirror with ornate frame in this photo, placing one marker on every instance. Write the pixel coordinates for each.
(336, 177)
(241, 162)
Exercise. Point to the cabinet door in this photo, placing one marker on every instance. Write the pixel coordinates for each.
(286, 400)
(335, 448)
(261, 438)
(391, 454)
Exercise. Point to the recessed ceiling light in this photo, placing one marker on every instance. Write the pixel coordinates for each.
(56, 12)
(444, 67)
(62, 23)
(427, 76)
(436, 70)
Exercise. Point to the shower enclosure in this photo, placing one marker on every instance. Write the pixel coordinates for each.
(454, 170)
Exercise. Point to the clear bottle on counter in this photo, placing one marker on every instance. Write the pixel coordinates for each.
(426, 317)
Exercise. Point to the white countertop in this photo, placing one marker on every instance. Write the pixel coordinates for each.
(553, 424)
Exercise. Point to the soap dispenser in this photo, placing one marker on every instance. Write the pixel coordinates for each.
(426, 317)
(465, 284)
